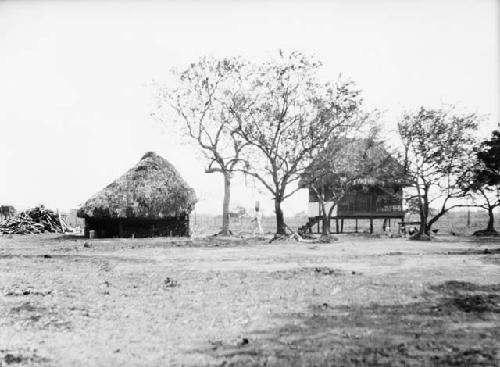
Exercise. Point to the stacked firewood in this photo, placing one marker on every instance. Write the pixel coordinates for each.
(34, 221)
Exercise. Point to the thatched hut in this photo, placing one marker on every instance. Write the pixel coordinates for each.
(149, 200)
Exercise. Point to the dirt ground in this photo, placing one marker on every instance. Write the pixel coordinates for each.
(213, 302)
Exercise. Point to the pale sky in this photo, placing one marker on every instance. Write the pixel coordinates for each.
(75, 100)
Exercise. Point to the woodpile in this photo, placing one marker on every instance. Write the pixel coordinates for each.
(34, 221)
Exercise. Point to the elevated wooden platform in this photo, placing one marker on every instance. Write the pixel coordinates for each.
(317, 221)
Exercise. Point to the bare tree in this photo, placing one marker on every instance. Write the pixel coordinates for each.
(284, 115)
(201, 99)
(483, 180)
(489, 197)
(438, 145)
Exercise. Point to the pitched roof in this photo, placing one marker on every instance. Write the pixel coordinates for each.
(344, 153)
(152, 189)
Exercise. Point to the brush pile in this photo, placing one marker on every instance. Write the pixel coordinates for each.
(34, 221)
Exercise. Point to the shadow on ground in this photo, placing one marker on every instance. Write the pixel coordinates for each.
(456, 324)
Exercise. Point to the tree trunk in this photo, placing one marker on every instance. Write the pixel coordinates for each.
(424, 215)
(491, 220)
(423, 220)
(425, 228)
(280, 219)
(325, 230)
(225, 205)
(332, 208)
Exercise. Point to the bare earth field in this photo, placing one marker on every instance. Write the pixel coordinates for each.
(161, 302)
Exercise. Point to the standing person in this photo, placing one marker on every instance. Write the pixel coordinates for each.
(257, 221)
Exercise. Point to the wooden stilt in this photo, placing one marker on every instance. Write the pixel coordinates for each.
(337, 225)
(342, 225)
(371, 225)
(356, 227)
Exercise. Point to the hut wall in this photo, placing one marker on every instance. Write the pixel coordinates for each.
(364, 201)
(372, 200)
(139, 228)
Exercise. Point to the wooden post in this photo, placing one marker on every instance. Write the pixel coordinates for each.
(356, 226)
(337, 225)
(371, 225)
(342, 225)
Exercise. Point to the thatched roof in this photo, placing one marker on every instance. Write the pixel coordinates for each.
(345, 153)
(152, 189)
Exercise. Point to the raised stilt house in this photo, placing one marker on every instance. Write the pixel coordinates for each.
(149, 200)
(368, 199)
(367, 202)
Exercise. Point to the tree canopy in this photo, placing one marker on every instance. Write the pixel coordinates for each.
(285, 114)
(437, 144)
(483, 179)
(201, 98)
